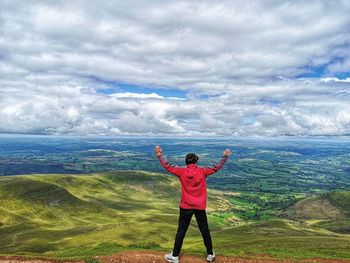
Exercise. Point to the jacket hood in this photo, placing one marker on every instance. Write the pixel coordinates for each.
(191, 166)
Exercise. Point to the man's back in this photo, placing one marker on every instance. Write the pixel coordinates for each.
(193, 181)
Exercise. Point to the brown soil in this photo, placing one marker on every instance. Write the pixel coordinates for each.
(158, 257)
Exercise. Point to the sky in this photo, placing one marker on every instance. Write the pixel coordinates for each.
(181, 68)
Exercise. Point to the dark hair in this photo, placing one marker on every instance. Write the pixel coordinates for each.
(191, 158)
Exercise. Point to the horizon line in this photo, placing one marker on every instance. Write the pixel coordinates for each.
(161, 136)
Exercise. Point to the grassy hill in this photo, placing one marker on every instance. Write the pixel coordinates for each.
(103, 213)
(329, 210)
(45, 214)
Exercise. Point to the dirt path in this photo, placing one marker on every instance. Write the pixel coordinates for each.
(157, 257)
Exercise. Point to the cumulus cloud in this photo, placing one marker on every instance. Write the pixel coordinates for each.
(243, 66)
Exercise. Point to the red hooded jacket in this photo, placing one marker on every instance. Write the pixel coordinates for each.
(193, 181)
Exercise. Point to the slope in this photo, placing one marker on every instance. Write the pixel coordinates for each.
(87, 215)
(329, 210)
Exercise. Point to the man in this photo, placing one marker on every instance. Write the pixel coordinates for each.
(193, 199)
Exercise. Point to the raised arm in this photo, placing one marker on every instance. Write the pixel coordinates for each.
(208, 170)
(171, 168)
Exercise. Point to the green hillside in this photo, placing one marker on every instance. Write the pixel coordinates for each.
(340, 200)
(46, 214)
(85, 215)
(329, 210)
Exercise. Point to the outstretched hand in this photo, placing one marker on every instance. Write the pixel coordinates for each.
(158, 150)
(227, 153)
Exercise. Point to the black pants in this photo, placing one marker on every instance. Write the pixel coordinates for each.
(184, 222)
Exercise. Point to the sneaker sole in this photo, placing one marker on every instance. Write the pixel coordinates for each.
(170, 260)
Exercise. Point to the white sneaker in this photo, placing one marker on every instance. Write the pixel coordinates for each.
(211, 258)
(170, 258)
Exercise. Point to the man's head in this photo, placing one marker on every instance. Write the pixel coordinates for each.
(191, 158)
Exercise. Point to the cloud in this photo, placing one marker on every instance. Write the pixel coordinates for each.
(209, 122)
(240, 63)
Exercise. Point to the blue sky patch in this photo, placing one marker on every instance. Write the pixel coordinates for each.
(273, 102)
(314, 72)
(249, 120)
(322, 71)
(119, 87)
